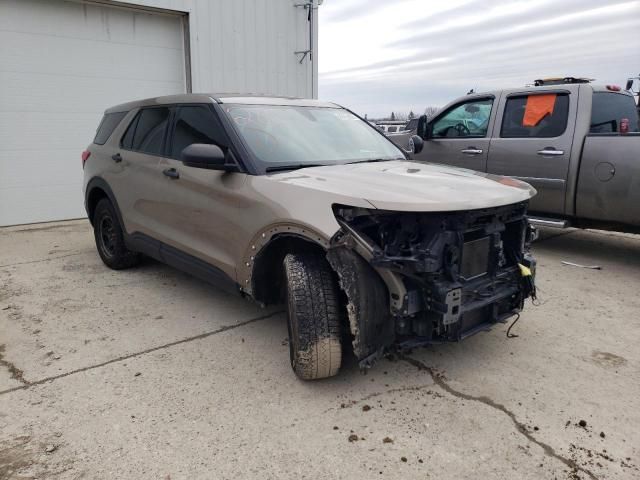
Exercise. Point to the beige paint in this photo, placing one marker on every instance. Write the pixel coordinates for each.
(407, 186)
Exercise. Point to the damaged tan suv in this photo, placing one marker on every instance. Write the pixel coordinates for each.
(303, 202)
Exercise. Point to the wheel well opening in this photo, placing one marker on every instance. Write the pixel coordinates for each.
(269, 285)
(95, 195)
(268, 275)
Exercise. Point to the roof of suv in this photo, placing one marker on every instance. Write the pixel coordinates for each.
(236, 98)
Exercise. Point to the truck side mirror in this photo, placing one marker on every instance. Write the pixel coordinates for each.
(629, 84)
(423, 130)
(416, 144)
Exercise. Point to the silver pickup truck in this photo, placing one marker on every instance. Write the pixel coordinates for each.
(577, 143)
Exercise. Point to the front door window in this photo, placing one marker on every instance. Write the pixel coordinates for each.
(469, 119)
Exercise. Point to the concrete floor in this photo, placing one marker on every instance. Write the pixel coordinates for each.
(150, 374)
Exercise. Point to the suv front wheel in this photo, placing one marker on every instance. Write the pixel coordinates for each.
(110, 239)
(313, 316)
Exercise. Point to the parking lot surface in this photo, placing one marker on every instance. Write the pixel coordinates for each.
(151, 374)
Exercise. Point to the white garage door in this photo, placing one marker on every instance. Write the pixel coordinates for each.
(62, 63)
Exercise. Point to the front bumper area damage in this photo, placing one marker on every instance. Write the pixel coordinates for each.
(415, 278)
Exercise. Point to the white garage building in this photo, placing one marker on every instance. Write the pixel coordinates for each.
(63, 62)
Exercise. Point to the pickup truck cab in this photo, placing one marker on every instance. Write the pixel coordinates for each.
(577, 143)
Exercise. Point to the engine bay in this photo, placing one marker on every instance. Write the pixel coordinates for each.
(460, 271)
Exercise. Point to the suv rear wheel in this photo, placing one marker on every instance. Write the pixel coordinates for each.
(313, 316)
(109, 238)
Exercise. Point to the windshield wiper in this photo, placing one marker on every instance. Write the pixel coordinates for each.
(374, 160)
(282, 168)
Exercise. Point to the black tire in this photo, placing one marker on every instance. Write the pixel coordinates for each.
(109, 238)
(313, 316)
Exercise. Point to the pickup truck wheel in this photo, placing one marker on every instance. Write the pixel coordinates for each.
(109, 238)
(313, 316)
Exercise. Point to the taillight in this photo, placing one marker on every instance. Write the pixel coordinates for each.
(85, 156)
(614, 88)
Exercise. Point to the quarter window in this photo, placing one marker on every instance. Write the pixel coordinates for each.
(196, 124)
(470, 119)
(540, 115)
(148, 132)
(609, 110)
(109, 123)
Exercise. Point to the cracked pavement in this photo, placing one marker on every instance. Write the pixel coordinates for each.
(148, 373)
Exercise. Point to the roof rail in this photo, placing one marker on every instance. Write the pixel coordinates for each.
(561, 81)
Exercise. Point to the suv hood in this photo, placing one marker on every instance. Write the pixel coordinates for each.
(411, 186)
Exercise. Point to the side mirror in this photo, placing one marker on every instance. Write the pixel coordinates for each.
(416, 144)
(210, 157)
(629, 84)
(423, 129)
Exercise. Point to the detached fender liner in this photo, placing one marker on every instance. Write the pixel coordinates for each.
(367, 304)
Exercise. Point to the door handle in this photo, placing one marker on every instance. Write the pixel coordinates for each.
(550, 152)
(171, 173)
(116, 158)
(471, 151)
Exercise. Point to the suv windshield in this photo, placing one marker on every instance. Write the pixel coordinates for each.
(281, 136)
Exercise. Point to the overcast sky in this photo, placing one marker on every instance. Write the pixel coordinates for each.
(378, 56)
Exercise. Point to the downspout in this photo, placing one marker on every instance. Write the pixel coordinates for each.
(311, 6)
(313, 46)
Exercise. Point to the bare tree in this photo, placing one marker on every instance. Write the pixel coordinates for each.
(430, 112)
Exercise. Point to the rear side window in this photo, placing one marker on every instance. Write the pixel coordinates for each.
(147, 132)
(196, 124)
(108, 124)
(609, 110)
(540, 115)
(127, 140)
